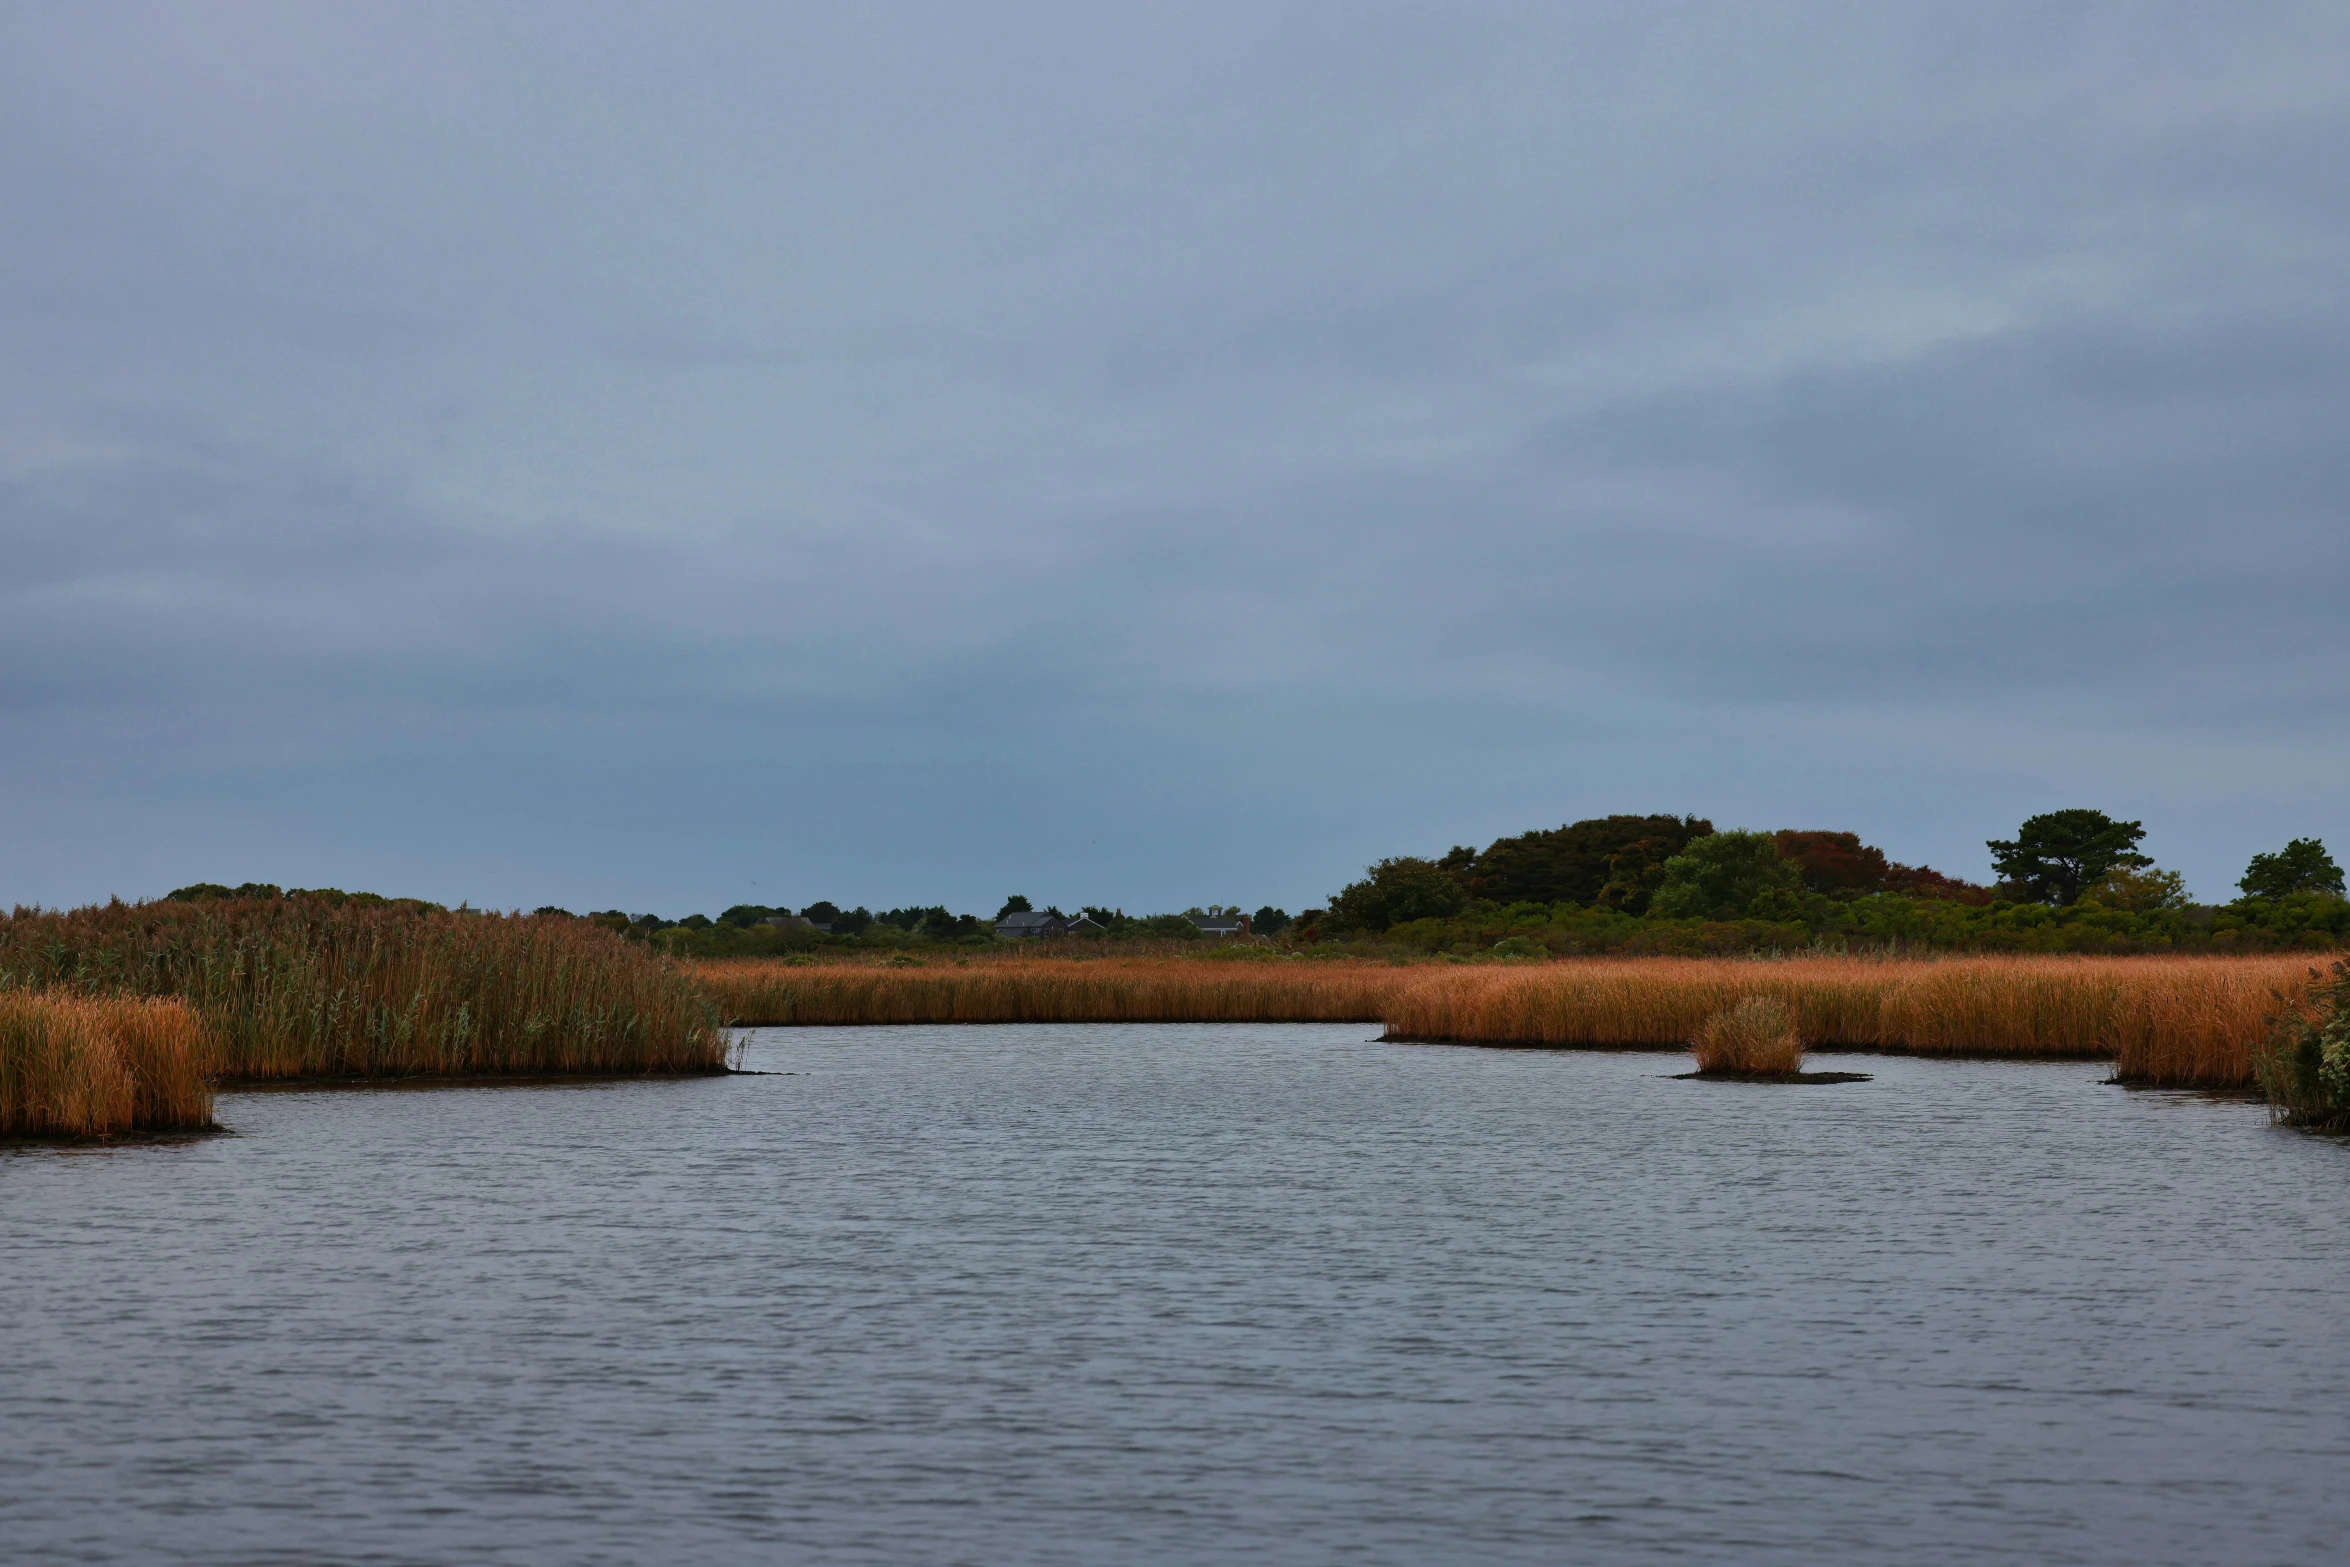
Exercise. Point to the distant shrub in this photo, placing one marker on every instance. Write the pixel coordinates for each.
(2138, 889)
(1756, 1035)
(1175, 927)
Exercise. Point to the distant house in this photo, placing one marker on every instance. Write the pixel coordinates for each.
(1086, 925)
(795, 922)
(1221, 924)
(1032, 924)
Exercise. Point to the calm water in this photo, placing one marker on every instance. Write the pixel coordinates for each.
(1141, 1294)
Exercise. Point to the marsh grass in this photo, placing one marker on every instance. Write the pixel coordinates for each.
(1057, 990)
(2161, 1020)
(79, 1066)
(298, 988)
(1757, 1034)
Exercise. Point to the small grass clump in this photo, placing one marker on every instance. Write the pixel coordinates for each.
(1757, 1035)
(302, 987)
(79, 1066)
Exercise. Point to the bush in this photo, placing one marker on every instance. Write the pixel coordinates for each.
(2139, 889)
(2305, 1066)
(1756, 1035)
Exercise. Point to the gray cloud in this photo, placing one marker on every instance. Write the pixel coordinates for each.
(610, 455)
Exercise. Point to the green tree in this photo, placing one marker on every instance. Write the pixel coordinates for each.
(1397, 890)
(1719, 876)
(2055, 855)
(1015, 904)
(1268, 921)
(2300, 866)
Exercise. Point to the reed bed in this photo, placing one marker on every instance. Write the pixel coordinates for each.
(302, 988)
(78, 1066)
(2162, 1020)
(1056, 990)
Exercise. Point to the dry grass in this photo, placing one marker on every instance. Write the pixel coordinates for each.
(293, 988)
(1056, 990)
(1755, 1035)
(2163, 1020)
(75, 1066)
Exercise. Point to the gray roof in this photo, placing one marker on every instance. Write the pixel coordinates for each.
(1032, 920)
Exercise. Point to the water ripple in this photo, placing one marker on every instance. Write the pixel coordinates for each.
(1141, 1294)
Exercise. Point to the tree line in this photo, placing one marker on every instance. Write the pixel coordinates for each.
(2072, 877)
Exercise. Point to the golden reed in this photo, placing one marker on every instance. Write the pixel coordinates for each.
(297, 987)
(1048, 990)
(2162, 1020)
(77, 1066)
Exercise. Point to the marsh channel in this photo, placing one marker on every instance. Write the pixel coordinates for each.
(1172, 1293)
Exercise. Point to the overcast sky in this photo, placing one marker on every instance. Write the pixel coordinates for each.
(667, 456)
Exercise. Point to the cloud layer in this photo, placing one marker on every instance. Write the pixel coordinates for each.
(604, 455)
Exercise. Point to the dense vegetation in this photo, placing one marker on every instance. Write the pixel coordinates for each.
(1655, 885)
(2306, 1065)
(2172, 1020)
(2176, 1020)
(80, 1066)
(2073, 881)
(326, 984)
(1037, 984)
(755, 930)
